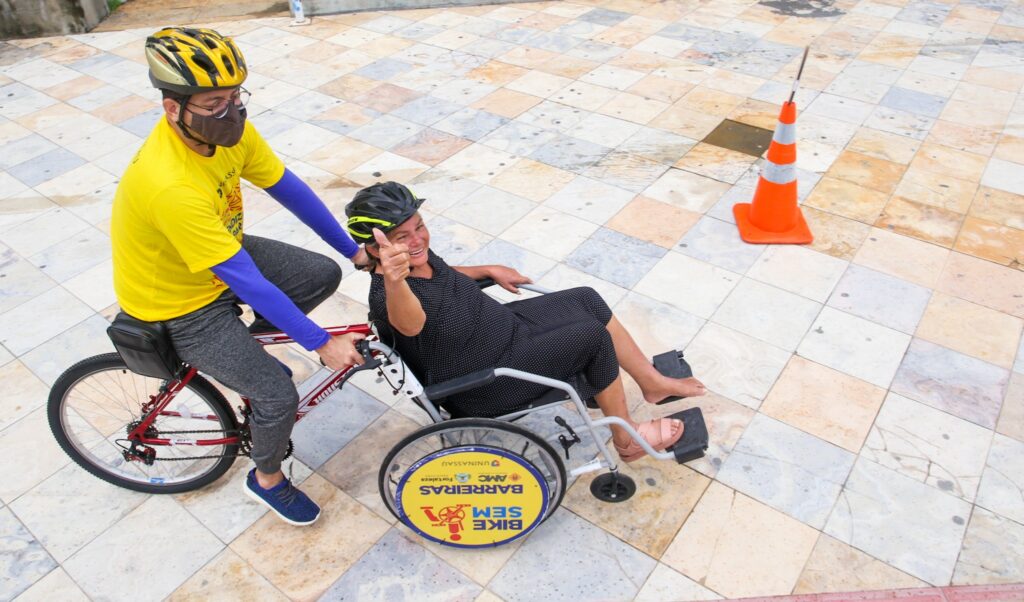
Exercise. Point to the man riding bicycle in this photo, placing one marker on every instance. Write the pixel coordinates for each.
(180, 256)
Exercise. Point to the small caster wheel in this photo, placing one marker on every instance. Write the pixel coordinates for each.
(613, 487)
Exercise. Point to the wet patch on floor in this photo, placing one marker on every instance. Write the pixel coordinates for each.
(740, 137)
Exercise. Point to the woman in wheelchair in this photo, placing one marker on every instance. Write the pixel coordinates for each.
(445, 327)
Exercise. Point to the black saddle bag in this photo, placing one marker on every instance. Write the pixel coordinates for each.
(145, 347)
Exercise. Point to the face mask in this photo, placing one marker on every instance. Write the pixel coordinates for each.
(225, 131)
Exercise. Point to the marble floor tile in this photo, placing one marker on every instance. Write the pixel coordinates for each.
(603, 130)
(907, 524)
(627, 171)
(825, 403)
(837, 567)
(716, 162)
(1011, 417)
(330, 547)
(665, 497)
(355, 472)
(615, 257)
(846, 199)
(767, 313)
(719, 243)
(387, 131)
(944, 379)
(532, 179)
(912, 101)
(24, 561)
(1003, 175)
(884, 145)
(665, 583)
(688, 284)
(655, 326)
(654, 221)
(876, 174)
(519, 138)
(922, 221)
(840, 107)
(538, 83)
(507, 103)
(24, 280)
(590, 199)
(928, 445)
(24, 471)
(373, 576)
(880, 298)
(799, 270)
(490, 210)
(855, 346)
(551, 115)
(226, 577)
(939, 190)
(787, 469)
(550, 232)
(56, 585)
(1003, 479)
(103, 571)
(992, 552)
(430, 146)
(833, 234)
(991, 241)
(600, 566)
(333, 424)
(570, 154)
(969, 328)
(726, 420)
(983, 282)
(686, 190)
(24, 392)
(506, 253)
(584, 95)
(71, 491)
(73, 255)
(906, 258)
(735, 365)
(657, 145)
(964, 137)
(471, 124)
(738, 547)
(632, 107)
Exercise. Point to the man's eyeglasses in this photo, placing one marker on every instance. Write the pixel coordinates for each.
(239, 98)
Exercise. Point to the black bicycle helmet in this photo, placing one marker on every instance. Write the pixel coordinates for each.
(384, 206)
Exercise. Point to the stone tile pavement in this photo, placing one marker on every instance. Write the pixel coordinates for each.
(867, 390)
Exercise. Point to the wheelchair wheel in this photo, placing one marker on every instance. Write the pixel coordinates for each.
(472, 482)
(95, 403)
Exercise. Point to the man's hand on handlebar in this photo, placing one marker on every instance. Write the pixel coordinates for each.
(394, 258)
(340, 352)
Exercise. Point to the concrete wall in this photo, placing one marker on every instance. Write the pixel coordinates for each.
(329, 7)
(33, 18)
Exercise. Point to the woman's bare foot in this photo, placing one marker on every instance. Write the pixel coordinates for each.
(674, 387)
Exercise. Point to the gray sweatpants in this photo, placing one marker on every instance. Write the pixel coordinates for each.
(215, 341)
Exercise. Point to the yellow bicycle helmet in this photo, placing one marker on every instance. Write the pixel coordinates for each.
(188, 60)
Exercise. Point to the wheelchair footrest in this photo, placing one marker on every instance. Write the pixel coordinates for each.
(695, 436)
(672, 365)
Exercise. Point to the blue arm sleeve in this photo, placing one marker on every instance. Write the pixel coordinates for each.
(300, 199)
(241, 274)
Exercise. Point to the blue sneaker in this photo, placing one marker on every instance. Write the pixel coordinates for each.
(290, 504)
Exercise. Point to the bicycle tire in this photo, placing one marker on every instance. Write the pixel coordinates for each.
(550, 461)
(109, 369)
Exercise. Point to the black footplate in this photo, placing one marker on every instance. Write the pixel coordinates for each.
(695, 436)
(672, 365)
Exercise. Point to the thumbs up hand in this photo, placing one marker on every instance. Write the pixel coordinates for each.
(394, 258)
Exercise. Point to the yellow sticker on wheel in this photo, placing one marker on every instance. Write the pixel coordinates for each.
(472, 496)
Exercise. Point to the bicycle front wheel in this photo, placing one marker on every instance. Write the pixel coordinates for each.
(98, 401)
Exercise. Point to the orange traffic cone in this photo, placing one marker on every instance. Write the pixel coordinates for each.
(774, 216)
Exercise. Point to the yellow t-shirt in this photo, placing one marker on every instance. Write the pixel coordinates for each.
(176, 213)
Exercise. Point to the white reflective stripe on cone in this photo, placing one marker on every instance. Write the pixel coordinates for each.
(778, 174)
(785, 133)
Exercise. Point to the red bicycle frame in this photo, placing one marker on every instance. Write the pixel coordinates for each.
(309, 401)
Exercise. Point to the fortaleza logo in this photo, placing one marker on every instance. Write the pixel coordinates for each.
(470, 489)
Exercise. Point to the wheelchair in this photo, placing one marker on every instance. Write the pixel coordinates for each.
(481, 482)
(144, 420)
